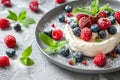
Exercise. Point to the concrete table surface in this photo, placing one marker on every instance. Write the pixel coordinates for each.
(42, 69)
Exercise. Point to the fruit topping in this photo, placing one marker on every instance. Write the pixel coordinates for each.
(10, 52)
(34, 6)
(48, 32)
(60, 1)
(70, 62)
(117, 16)
(112, 19)
(68, 8)
(65, 52)
(112, 30)
(79, 16)
(53, 25)
(84, 62)
(102, 14)
(61, 18)
(4, 61)
(102, 34)
(73, 24)
(69, 14)
(57, 34)
(76, 31)
(95, 28)
(4, 23)
(6, 3)
(78, 56)
(17, 27)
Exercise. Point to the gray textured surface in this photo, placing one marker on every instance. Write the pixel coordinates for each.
(43, 69)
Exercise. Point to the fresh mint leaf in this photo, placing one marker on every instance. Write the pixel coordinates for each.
(60, 44)
(12, 15)
(27, 52)
(94, 7)
(22, 15)
(26, 61)
(46, 39)
(98, 40)
(107, 8)
(50, 50)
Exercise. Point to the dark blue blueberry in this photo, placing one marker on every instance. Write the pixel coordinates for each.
(78, 56)
(76, 31)
(65, 52)
(73, 24)
(61, 18)
(17, 27)
(112, 30)
(48, 32)
(68, 8)
(117, 49)
(70, 20)
(108, 13)
(10, 52)
(102, 34)
(95, 28)
(112, 19)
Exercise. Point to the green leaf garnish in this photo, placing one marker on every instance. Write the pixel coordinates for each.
(22, 16)
(60, 44)
(107, 7)
(99, 40)
(12, 15)
(26, 61)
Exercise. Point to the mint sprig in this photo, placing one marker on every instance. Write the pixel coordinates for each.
(21, 17)
(52, 45)
(24, 59)
(106, 7)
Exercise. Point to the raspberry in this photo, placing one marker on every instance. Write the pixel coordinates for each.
(117, 16)
(57, 34)
(104, 23)
(84, 62)
(10, 41)
(86, 34)
(4, 23)
(78, 16)
(65, 21)
(6, 3)
(4, 61)
(69, 14)
(102, 14)
(85, 22)
(70, 62)
(53, 25)
(60, 1)
(100, 60)
(34, 6)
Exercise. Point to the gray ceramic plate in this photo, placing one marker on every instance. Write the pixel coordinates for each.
(51, 17)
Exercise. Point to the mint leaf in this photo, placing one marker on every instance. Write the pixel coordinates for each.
(27, 52)
(12, 15)
(98, 40)
(50, 50)
(107, 8)
(59, 45)
(94, 7)
(22, 15)
(26, 61)
(46, 39)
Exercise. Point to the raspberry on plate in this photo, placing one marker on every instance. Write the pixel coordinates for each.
(34, 6)
(10, 41)
(102, 14)
(4, 61)
(100, 60)
(86, 34)
(57, 34)
(78, 16)
(4, 23)
(104, 23)
(117, 16)
(6, 3)
(60, 1)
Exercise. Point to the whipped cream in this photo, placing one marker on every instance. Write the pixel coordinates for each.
(92, 48)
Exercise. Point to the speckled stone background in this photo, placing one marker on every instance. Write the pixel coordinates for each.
(43, 69)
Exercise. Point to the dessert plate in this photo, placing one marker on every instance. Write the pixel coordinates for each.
(51, 17)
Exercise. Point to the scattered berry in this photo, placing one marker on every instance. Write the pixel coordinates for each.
(57, 34)
(61, 18)
(4, 61)
(65, 52)
(60, 1)
(17, 27)
(65, 21)
(48, 32)
(34, 6)
(4, 23)
(117, 16)
(53, 25)
(68, 8)
(76, 31)
(102, 34)
(6, 3)
(112, 30)
(104, 23)
(70, 62)
(95, 28)
(69, 14)
(84, 62)
(117, 49)
(78, 16)
(73, 24)
(78, 56)
(86, 34)
(100, 60)
(70, 20)
(10, 41)
(10, 52)
(102, 14)
(112, 19)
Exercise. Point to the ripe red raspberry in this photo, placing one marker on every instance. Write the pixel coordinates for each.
(78, 16)
(84, 62)
(57, 34)
(100, 60)
(102, 14)
(70, 62)
(117, 16)
(69, 14)
(85, 22)
(86, 34)
(104, 23)
(4, 23)
(6, 3)
(4, 61)
(34, 6)
(10, 41)
(60, 1)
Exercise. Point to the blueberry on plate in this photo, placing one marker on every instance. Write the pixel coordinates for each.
(65, 52)
(10, 52)
(78, 56)
(95, 28)
(17, 27)
(73, 24)
(102, 34)
(112, 30)
(76, 31)
(112, 19)
(61, 18)
(117, 49)
(68, 8)
(48, 32)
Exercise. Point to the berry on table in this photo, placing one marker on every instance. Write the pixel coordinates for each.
(10, 52)
(17, 27)
(4, 23)
(117, 16)
(61, 18)
(102, 34)
(10, 41)
(95, 28)
(4, 61)
(112, 30)
(68, 8)
(60, 1)
(65, 52)
(6, 3)
(70, 62)
(57, 34)
(34, 6)
(100, 60)
(78, 16)
(112, 19)
(78, 56)
(76, 31)
(48, 32)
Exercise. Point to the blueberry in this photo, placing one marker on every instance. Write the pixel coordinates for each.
(95, 28)
(61, 18)
(73, 24)
(70, 20)
(117, 49)
(68, 8)
(108, 13)
(65, 52)
(112, 13)
(102, 34)
(112, 19)
(10, 52)
(112, 30)
(48, 32)
(78, 56)
(76, 31)
(17, 27)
